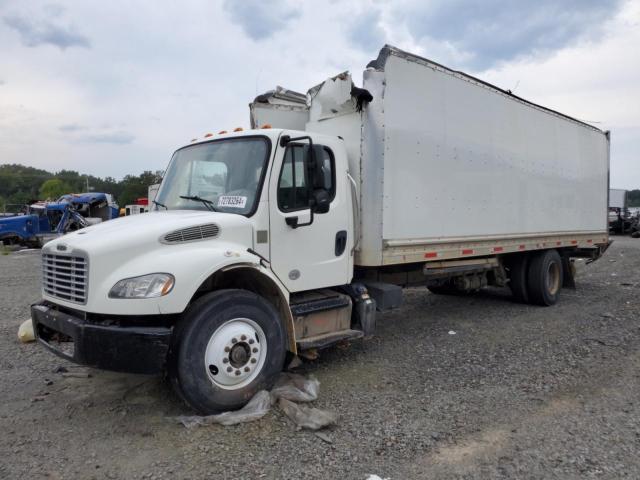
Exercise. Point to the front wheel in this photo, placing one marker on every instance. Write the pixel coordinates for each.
(229, 345)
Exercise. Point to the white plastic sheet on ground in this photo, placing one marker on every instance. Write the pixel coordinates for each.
(25, 332)
(289, 388)
(257, 408)
(307, 417)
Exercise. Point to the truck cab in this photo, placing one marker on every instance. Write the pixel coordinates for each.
(211, 285)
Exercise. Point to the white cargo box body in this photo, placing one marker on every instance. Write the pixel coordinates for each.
(445, 161)
(448, 166)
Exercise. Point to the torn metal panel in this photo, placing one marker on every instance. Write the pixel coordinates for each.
(332, 98)
(280, 108)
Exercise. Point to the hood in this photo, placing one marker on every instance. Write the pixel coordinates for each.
(141, 233)
(17, 222)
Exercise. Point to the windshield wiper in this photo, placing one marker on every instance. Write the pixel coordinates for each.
(160, 204)
(207, 203)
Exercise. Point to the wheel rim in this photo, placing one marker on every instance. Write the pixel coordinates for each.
(235, 354)
(553, 278)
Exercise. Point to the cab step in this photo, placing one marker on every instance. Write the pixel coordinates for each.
(328, 339)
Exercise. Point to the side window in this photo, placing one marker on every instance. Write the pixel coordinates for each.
(294, 186)
(293, 193)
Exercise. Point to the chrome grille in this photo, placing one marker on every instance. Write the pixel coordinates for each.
(65, 277)
(199, 232)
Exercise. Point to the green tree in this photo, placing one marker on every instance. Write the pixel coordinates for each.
(54, 188)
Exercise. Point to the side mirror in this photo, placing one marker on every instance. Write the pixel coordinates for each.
(320, 201)
(319, 173)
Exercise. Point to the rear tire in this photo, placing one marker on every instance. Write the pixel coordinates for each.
(544, 278)
(518, 268)
(229, 345)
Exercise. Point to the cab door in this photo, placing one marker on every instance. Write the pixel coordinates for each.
(310, 250)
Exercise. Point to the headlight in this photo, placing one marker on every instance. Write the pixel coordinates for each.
(146, 286)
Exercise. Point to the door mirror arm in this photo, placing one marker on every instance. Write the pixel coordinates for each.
(318, 203)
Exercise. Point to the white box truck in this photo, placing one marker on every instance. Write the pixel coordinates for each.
(286, 237)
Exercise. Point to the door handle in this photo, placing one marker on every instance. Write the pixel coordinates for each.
(341, 242)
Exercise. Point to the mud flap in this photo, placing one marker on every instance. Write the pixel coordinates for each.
(568, 273)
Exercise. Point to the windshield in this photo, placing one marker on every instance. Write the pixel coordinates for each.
(224, 176)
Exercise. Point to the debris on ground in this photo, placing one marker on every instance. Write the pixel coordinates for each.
(25, 332)
(307, 417)
(296, 388)
(289, 388)
(324, 437)
(452, 332)
(257, 408)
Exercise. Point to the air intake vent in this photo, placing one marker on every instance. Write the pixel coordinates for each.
(192, 234)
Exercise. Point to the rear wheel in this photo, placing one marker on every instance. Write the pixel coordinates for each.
(544, 278)
(229, 345)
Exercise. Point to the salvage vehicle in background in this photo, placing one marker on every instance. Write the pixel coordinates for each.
(268, 242)
(44, 221)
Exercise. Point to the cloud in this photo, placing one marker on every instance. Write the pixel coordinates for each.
(35, 33)
(72, 127)
(116, 138)
(493, 31)
(260, 19)
(366, 31)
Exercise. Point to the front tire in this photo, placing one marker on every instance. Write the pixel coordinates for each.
(544, 278)
(229, 345)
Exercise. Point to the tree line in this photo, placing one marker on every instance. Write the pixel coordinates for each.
(20, 185)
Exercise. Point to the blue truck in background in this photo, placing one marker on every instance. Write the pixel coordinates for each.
(46, 220)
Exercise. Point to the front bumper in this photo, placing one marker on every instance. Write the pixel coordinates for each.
(132, 349)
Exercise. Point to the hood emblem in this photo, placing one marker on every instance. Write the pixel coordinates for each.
(61, 247)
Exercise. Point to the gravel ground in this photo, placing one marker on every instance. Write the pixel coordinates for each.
(517, 392)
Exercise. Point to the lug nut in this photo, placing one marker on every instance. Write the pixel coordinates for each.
(237, 372)
(251, 341)
(225, 360)
(243, 338)
(253, 360)
(255, 350)
(227, 349)
(234, 340)
(229, 369)
(246, 369)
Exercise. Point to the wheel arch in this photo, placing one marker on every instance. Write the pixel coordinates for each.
(254, 278)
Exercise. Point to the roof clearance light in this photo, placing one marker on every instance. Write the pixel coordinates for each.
(239, 129)
(193, 140)
(208, 135)
(266, 125)
(222, 132)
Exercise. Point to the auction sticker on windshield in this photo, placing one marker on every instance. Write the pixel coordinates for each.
(232, 201)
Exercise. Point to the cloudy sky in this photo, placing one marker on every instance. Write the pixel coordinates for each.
(111, 88)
